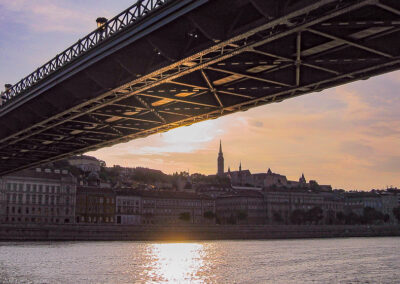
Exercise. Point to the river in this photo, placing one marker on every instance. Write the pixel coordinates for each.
(352, 260)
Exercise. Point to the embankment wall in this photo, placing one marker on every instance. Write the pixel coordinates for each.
(177, 233)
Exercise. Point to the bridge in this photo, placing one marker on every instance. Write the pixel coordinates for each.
(163, 64)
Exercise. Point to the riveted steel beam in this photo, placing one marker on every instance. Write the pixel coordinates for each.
(239, 94)
(350, 42)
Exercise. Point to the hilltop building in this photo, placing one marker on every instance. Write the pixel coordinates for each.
(245, 179)
(86, 163)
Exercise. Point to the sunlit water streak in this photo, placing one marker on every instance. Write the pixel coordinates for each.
(356, 260)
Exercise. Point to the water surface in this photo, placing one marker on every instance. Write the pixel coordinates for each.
(353, 260)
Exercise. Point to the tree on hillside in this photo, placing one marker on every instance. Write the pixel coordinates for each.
(231, 220)
(315, 215)
(277, 217)
(340, 217)
(185, 216)
(330, 218)
(242, 215)
(297, 217)
(352, 219)
(209, 215)
(371, 216)
(396, 212)
(386, 218)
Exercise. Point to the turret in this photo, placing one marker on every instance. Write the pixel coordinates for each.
(302, 179)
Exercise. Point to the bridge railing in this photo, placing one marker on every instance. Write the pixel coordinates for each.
(126, 18)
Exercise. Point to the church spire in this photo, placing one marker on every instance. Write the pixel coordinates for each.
(220, 160)
(240, 166)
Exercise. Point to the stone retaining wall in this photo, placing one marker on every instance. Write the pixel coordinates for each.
(143, 233)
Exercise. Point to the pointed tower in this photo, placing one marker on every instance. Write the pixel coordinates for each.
(240, 174)
(220, 161)
(302, 179)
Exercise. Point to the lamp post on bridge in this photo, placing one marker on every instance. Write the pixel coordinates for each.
(3, 96)
(101, 25)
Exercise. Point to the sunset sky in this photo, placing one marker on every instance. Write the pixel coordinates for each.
(347, 136)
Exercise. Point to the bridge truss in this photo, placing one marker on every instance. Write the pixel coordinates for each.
(176, 63)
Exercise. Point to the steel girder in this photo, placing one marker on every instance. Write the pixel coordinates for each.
(199, 61)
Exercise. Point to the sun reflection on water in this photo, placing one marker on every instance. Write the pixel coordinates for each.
(176, 262)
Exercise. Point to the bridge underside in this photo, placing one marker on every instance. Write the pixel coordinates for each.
(197, 62)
